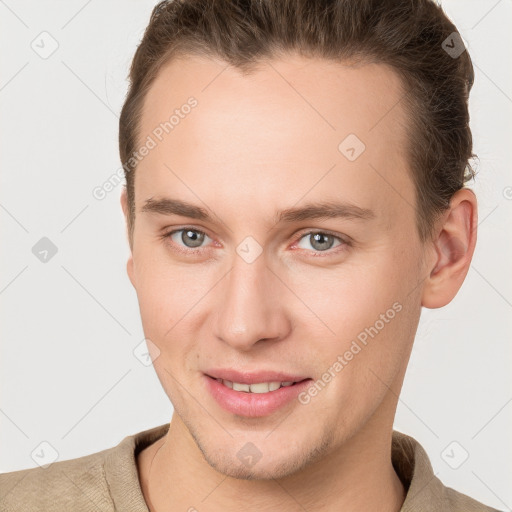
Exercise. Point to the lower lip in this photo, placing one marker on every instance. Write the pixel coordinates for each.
(253, 405)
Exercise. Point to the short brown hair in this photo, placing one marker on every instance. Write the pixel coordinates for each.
(408, 35)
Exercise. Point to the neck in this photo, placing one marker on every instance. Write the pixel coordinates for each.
(359, 475)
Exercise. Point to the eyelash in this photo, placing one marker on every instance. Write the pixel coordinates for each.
(343, 245)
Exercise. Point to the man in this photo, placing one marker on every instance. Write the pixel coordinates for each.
(295, 195)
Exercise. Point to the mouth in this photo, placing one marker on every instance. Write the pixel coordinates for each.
(258, 398)
(257, 387)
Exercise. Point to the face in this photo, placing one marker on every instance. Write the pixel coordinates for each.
(332, 297)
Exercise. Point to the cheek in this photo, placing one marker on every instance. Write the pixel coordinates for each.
(166, 309)
(352, 297)
(157, 293)
(170, 296)
(370, 313)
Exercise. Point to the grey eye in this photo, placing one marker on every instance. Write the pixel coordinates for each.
(319, 241)
(191, 238)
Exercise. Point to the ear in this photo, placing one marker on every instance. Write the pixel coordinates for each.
(454, 247)
(129, 263)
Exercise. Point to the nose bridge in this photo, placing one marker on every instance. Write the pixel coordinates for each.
(250, 308)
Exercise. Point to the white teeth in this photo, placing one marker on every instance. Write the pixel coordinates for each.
(240, 387)
(260, 387)
(273, 386)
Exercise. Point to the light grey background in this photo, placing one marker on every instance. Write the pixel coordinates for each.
(69, 326)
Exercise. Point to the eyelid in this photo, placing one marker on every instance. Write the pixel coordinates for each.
(339, 236)
(345, 240)
(167, 235)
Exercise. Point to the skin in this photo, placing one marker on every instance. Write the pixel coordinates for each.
(255, 145)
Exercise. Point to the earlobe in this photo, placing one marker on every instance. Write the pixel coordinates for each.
(454, 248)
(125, 208)
(124, 202)
(129, 263)
(129, 270)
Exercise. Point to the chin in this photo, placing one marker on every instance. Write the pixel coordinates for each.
(259, 471)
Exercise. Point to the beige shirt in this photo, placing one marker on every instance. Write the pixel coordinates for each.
(108, 481)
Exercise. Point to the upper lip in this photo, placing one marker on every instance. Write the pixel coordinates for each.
(246, 377)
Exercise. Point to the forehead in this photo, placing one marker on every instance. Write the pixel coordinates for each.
(289, 129)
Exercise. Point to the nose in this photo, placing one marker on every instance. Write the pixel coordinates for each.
(251, 305)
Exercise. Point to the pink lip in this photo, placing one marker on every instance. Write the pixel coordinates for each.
(253, 377)
(253, 405)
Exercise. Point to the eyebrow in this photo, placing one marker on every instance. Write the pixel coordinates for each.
(317, 210)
